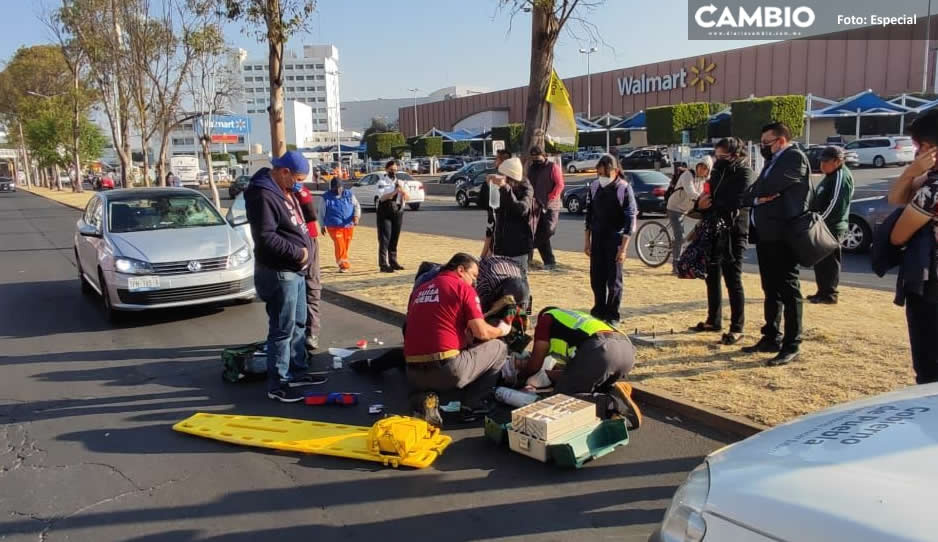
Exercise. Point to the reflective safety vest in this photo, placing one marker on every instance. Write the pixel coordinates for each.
(576, 321)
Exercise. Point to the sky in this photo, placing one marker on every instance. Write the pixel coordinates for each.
(388, 46)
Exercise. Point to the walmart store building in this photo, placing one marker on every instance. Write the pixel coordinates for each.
(833, 66)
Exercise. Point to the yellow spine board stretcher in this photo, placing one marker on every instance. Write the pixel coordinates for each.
(394, 441)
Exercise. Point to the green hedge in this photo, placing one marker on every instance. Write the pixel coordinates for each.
(511, 134)
(749, 116)
(379, 145)
(456, 148)
(665, 124)
(427, 146)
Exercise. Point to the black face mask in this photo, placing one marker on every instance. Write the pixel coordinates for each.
(766, 151)
(391, 174)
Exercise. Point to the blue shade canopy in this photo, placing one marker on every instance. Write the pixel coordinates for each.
(864, 103)
(585, 125)
(456, 135)
(636, 121)
(719, 117)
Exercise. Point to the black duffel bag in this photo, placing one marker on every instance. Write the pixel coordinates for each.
(810, 239)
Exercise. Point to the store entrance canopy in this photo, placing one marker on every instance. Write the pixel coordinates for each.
(456, 135)
(864, 104)
(634, 122)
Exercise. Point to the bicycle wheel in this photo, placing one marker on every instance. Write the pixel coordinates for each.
(653, 244)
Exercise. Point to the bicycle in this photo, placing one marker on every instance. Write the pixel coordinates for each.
(653, 243)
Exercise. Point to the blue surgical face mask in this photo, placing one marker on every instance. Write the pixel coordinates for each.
(297, 187)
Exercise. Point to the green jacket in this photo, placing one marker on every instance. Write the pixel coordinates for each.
(836, 188)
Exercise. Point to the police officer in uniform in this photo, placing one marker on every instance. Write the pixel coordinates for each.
(390, 215)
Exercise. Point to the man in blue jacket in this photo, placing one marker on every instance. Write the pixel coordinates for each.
(282, 249)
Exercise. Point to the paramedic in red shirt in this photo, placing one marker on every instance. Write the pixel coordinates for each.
(444, 318)
(313, 282)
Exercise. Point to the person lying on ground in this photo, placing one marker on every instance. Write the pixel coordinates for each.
(499, 277)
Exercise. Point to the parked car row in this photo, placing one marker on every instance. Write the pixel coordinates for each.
(366, 190)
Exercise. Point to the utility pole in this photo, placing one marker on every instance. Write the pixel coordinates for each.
(414, 90)
(26, 164)
(589, 86)
(927, 44)
(119, 144)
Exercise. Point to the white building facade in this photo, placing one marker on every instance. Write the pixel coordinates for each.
(311, 79)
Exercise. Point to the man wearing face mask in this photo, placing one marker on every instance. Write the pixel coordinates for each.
(547, 180)
(779, 195)
(282, 250)
(340, 212)
(390, 214)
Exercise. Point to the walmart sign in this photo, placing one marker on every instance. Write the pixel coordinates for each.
(701, 77)
(226, 125)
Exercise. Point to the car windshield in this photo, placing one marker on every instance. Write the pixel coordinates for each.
(160, 213)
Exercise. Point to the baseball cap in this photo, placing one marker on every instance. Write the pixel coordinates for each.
(292, 160)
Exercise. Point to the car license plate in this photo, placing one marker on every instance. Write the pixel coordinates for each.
(135, 284)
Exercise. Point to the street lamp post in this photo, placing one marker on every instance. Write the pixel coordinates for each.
(414, 90)
(589, 87)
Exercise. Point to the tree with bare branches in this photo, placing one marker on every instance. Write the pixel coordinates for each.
(76, 60)
(274, 22)
(548, 19)
(211, 88)
(96, 28)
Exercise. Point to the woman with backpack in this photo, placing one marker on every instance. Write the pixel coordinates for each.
(611, 213)
(729, 179)
(688, 187)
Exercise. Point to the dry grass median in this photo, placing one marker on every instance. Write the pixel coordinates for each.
(854, 349)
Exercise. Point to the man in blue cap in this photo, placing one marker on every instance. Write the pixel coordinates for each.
(283, 255)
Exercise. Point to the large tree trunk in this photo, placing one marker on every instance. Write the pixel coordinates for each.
(161, 160)
(207, 156)
(544, 31)
(76, 136)
(275, 43)
(58, 177)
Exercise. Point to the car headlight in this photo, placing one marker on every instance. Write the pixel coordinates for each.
(131, 266)
(684, 521)
(239, 258)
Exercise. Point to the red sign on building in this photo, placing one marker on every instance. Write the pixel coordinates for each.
(224, 138)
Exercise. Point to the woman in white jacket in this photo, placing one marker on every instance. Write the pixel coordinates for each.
(688, 188)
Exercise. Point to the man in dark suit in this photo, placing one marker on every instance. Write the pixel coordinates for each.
(778, 196)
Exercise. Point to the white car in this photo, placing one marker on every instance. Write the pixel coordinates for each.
(586, 164)
(366, 190)
(861, 471)
(879, 151)
(158, 248)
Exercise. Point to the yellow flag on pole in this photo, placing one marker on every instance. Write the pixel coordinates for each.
(561, 123)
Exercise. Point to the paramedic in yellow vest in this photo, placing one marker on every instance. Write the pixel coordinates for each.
(595, 358)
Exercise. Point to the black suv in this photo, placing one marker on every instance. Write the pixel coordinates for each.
(467, 172)
(645, 159)
(474, 191)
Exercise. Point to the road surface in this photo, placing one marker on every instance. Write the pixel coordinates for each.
(87, 453)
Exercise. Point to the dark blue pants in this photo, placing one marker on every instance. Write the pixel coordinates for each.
(284, 293)
(778, 269)
(922, 317)
(605, 277)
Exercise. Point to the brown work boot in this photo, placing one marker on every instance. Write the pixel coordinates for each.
(621, 393)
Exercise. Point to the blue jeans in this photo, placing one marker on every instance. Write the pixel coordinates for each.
(284, 292)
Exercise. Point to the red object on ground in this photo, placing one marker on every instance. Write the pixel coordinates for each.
(362, 344)
(332, 398)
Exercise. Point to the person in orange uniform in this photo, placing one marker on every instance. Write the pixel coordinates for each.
(340, 212)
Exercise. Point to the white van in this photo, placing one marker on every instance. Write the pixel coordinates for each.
(879, 151)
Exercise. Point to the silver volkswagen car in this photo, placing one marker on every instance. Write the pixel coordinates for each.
(160, 248)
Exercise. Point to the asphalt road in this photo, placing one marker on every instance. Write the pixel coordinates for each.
(87, 453)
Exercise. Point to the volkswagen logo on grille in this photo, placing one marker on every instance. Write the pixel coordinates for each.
(195, 266)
